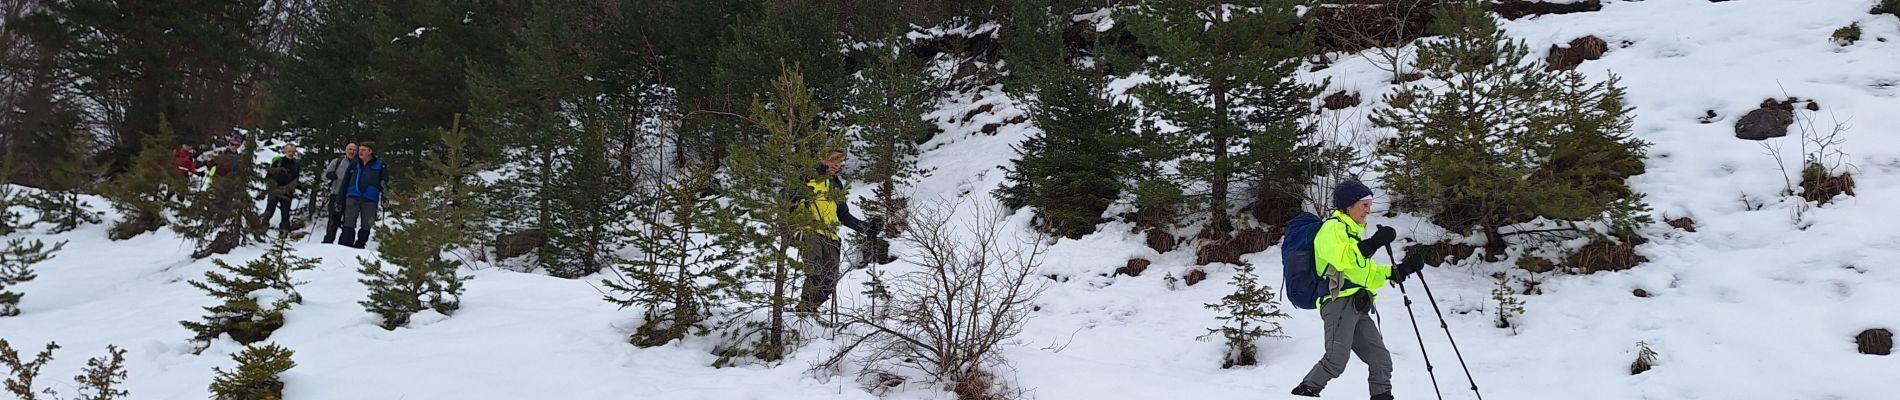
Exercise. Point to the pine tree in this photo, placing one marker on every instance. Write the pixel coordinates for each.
(766, 180)
(391, 72)
(886, 115)
(257, 376)
(40, 117)
(749, 56)
(442, 208)
(588, 201)
(144, 193)
(224, 216)
(1075, 169)
(254, 296)
(547, 104)
(1031, 43)
(103, 375)
(134, 64)
(16, 262)
(1503, 140)
(1247, 315)
(683, 271)
(71, 174)
(1239, 108)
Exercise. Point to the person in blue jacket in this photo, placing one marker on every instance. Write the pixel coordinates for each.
(363, 187)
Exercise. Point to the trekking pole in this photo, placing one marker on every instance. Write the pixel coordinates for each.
(1415, 332)
(1447, 328)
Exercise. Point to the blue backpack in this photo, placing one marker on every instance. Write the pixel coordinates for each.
(1304, 286)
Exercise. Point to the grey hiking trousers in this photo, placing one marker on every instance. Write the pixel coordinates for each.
(1350, 330)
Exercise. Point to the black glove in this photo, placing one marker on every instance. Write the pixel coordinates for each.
(1362, 301)
(1381, 237)
(874, 226)
(1413, 263)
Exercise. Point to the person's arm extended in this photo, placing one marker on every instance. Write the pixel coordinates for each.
(845, 217)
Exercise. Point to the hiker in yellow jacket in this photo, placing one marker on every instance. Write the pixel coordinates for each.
(1352, 280)
(820, 250)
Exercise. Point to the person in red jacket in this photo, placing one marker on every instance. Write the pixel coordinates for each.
(185, 164)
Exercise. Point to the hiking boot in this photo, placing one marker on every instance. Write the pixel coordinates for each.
(1382, 396)
(1307, 391)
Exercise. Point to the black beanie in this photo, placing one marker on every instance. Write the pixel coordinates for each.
(1349, 192)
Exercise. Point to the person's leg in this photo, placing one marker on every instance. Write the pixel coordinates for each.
(282, 206)
(1369, 344)
(811, 253)
(1341, 323)
(367, 217)
(351, 208)
(334, 210)
(270, 208)
(827, 268)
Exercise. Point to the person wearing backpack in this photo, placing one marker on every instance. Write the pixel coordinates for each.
(1352, 278)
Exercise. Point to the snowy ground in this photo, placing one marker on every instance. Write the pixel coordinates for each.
(1748, 307)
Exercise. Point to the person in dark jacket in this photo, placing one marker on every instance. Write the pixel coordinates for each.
(221, 163)
(282, 173)
(820, 249)
(333, 203)
(363, 190)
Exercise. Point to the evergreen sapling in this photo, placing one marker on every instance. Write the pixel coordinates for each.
(258, 375)
(150, 189)
(1509, 307)
(17, 259)
(16, 267)
(683, 272)
(886, 115)
(1073, 171)
(1246, 316)
(102, 376)
(254, 296)
(441, 208)
(767, 184)
(1645, 359)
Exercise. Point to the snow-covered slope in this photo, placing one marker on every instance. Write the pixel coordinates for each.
(1747, 307)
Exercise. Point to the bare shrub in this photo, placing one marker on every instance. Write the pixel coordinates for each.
(971, 291)
(1823, 173)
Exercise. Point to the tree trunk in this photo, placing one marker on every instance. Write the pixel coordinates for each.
(775, 335)
(1219, 224)
(1493, 243)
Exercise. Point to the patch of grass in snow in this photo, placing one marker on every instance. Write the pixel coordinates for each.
(1848, 35)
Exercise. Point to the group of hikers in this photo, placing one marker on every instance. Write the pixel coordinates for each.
(1342, 253)
(353, 189)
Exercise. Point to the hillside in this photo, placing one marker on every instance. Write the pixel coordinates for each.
(1760, 299)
